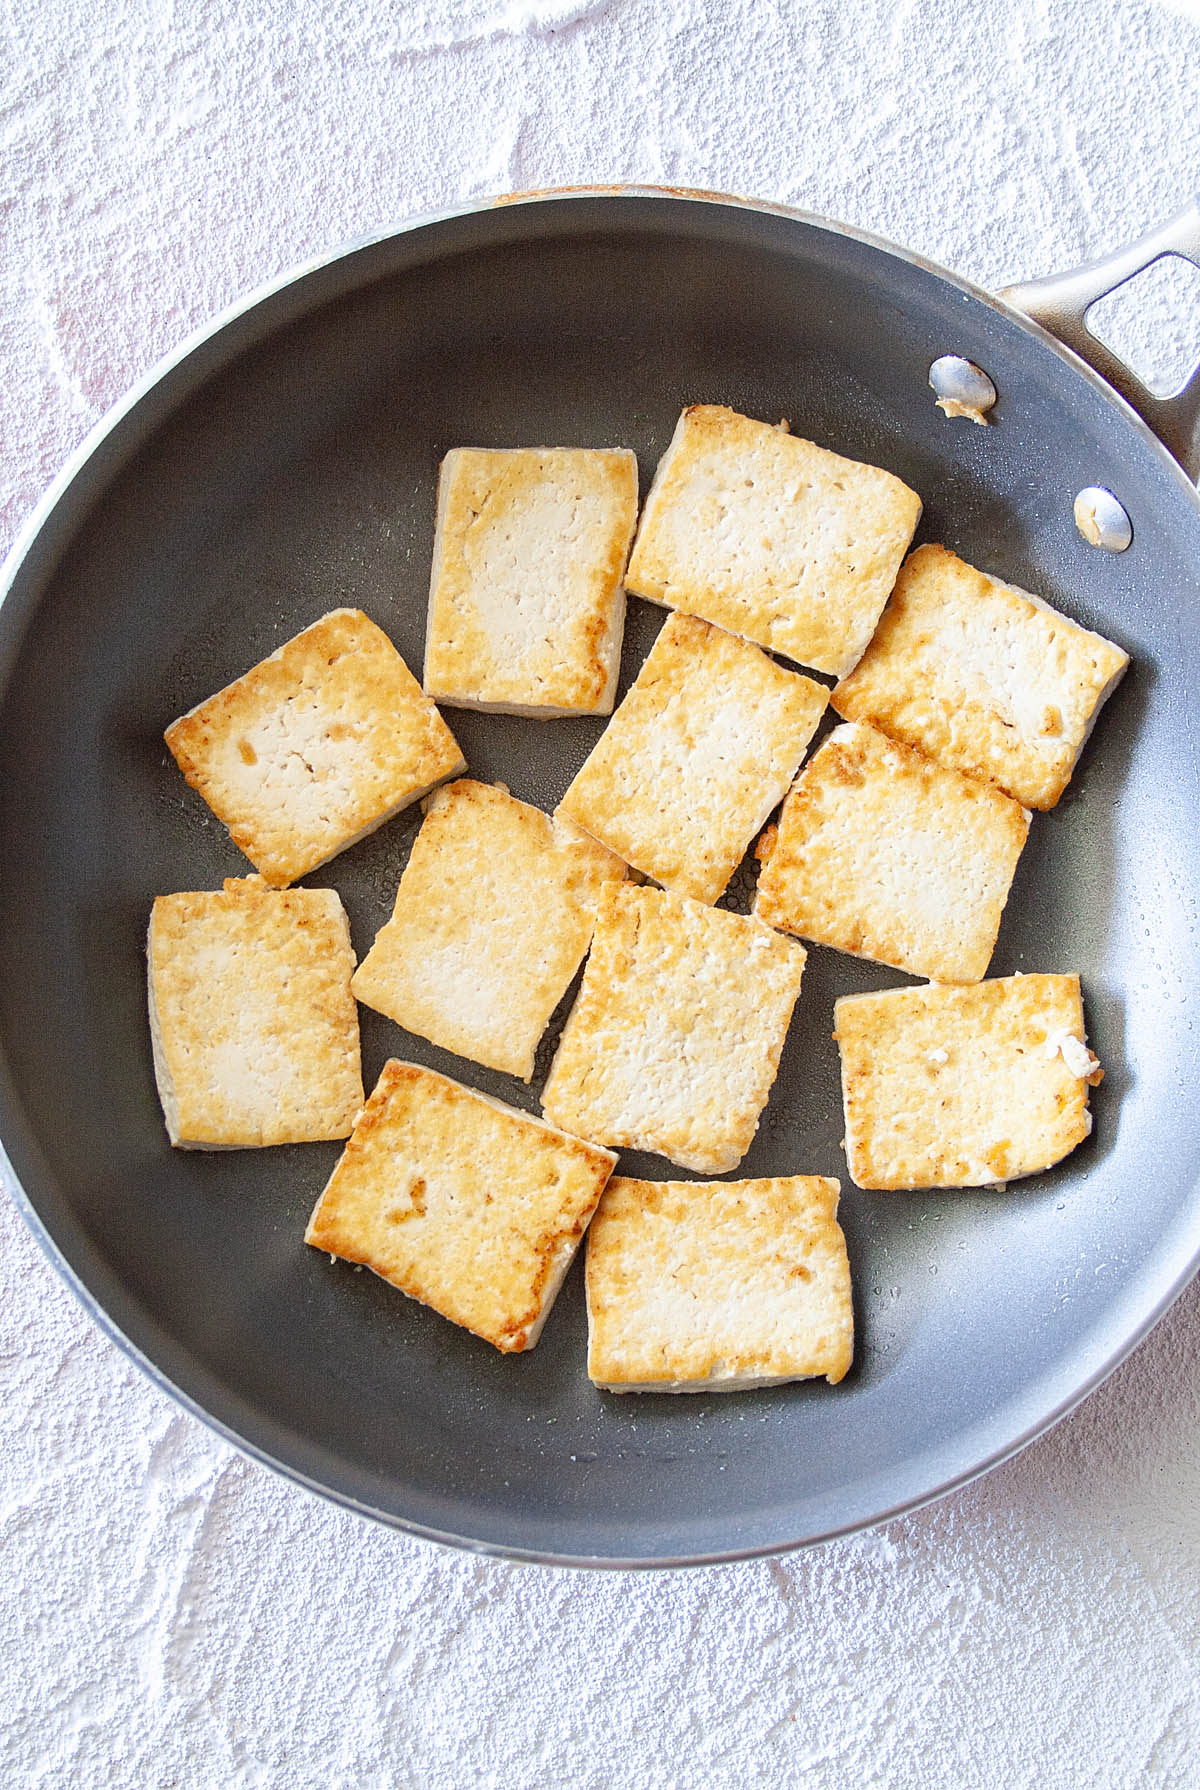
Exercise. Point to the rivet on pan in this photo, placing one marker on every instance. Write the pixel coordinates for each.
(962, 388)
(1101, 520)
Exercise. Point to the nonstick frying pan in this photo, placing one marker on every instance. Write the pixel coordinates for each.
(284, 463)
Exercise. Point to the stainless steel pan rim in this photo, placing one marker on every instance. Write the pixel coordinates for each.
(554, 195)
(529, 1556)
(292, 276)
(10, 636)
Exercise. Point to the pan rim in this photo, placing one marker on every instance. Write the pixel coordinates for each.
(449, 1539)
(299, 271)
(11, 631)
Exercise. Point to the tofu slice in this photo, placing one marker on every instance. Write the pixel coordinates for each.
(253, 1026)
(696, 757)
(461, 1202)
(526, 604)
(674, 1039)
(772, 537)
(964, 1087)
(884, 854)
(985, 678)
(315, 747)
(717, 1286)
(493, 915)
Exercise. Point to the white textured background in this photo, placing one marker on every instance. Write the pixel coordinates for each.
(171, 1615)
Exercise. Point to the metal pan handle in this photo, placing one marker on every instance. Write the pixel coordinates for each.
(1061, 304)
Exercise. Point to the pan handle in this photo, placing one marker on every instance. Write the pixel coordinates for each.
(1061, 303)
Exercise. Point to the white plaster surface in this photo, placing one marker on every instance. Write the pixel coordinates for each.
(171, 1615)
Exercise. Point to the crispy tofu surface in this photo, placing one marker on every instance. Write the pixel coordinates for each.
(983, 677)
(673, 1043)
(772, 537)
(254, 1027)
(963, 1087)
(884, 854)
(696, 757)
(711, 1286)
(461, 1202)
(492, 918)
(526, 601)
(315, 747)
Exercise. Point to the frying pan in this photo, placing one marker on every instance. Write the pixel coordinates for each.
(284, 463)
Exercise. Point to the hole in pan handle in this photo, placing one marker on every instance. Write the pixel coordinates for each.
(1061, 303)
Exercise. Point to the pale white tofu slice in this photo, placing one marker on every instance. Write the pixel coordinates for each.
(772, 537)
(674, 1039)
(526, 603)
(884, 854)
(253, 1025)
(492, 918)
(717, 1286)
(696, 757)
(964, 1087)
(315, 747)
(985, 678)
(461, 1202)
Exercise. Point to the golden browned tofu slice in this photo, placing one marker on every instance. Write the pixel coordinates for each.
(983, 677)
(461, 1202)
(674, 1039)
(692, 763)
(884, 854)
(964, 1087)
(717, 1286)
(254, 1027)
(772, 537)
(315, 747)
(526, 603)
(493, 915)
